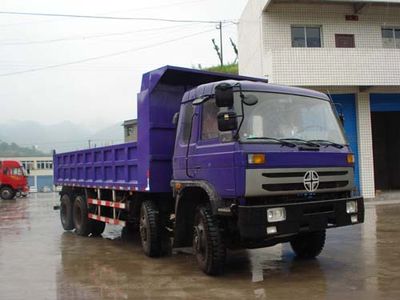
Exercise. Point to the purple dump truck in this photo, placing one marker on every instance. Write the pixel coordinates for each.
(222, 161)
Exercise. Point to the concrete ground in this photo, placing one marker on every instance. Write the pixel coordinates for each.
(38, 260)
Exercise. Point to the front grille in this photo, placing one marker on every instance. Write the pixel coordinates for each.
(300, 186)
(281, 181)
(301, 174)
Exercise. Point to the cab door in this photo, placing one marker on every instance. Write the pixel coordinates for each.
(212, 159)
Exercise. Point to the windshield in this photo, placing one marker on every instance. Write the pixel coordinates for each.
(16, 172)
(283, 116)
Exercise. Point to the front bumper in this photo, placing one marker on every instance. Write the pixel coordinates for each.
(300, 217)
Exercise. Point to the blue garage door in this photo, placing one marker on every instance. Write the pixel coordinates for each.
(385, 102)
(44, 182)
(348, 105)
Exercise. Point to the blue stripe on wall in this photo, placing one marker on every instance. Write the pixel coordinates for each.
(348, 105)
(385, 102)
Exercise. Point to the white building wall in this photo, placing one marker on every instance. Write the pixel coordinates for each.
(250, 33)
(367, 31)
(367, 64)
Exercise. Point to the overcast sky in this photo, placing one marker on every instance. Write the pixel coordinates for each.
(101, 91)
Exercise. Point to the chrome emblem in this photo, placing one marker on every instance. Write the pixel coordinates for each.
(311, 181)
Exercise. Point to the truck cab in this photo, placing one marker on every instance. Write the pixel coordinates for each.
(13, 179)
(272, 162)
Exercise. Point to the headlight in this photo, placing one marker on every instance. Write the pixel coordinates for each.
(351, 207)
(276, 214)
(256, 158)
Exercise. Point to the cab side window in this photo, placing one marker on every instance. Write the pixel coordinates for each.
(209, 122)
(186, 121)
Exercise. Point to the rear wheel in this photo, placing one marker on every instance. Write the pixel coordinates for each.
(150, 231)
(308, 245)
(80, 215)
(66, 212)
(7, 193)
(208, 244)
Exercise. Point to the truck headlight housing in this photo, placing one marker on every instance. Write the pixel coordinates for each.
(351, 207)
(256, 158)
(276, 214)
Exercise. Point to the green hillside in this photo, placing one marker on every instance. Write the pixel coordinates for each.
(9, 150)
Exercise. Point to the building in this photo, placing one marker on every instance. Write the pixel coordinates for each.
(349, 49)
(40, 171)
(130, 130)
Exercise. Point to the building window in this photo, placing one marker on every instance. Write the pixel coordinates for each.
(28, 164)
(345, 41)
(306, 36)
(209, 122)
(129, 131)
(44, 164)
(391, 37)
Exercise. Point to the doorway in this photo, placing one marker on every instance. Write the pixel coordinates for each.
(386, 145)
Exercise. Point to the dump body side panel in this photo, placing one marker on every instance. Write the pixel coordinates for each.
(114, 166)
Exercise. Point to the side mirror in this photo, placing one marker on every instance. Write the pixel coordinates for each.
(175, 118)
(224, 95)
(227, 121)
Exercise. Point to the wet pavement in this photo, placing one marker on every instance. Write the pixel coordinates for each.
(38, 260)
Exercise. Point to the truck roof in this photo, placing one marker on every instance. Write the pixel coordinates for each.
(10, 163)
(254, 86)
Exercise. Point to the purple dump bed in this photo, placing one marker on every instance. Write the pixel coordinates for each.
(147, 164)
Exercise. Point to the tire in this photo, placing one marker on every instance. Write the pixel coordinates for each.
(82, 223)
(66, 216)
(7, 193)
(97, 227)
(308, 245)
(150, 231)
(208, 245)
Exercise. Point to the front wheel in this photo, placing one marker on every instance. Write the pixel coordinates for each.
(150, 231)
(308, 245)
(208, 245)
(7, 193)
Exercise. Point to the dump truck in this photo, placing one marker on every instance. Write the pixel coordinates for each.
(13, 179)
(221, 162)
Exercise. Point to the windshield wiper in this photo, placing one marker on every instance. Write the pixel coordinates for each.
(328, 143)
(282, 142)
(308, 143)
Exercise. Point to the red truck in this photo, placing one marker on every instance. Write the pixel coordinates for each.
(13, 179)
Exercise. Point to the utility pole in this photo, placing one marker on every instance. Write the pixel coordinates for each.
(220, 42)
(89, 144)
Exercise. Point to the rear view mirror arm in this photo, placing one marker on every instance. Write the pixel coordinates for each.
(236, 136)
